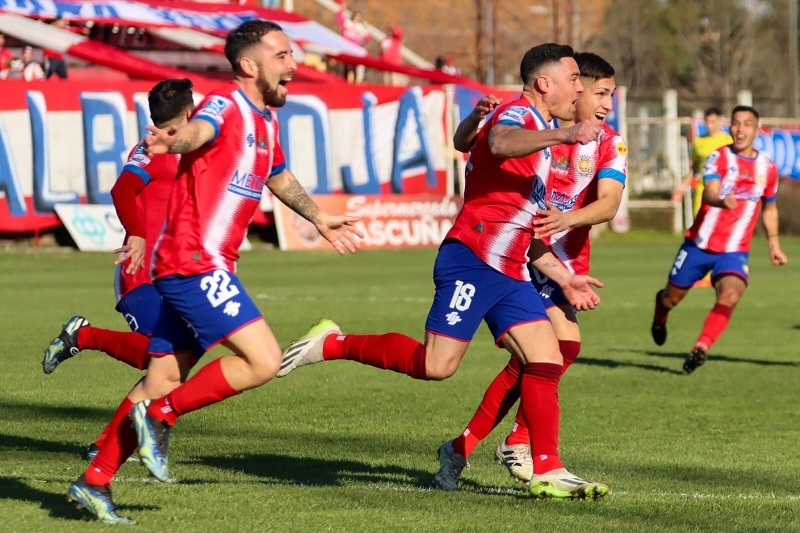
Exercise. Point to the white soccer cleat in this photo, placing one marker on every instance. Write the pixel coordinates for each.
(561, 484)
(517, 458)
(308, 350)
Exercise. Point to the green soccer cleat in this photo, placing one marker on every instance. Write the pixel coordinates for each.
(308, 350)
(95, 500)
(451, 464)
(153, 437)
(561, 484)
(65, 345)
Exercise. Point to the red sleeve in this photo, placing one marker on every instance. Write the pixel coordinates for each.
(124, 193)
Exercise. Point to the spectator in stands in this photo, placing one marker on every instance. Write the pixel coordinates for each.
(449, 66)
(391, 51)
(5, 58)
(26, 68)
(354, 30)
(54, 61)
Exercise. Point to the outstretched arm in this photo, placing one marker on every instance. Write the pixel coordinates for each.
(339, 230)
(187, 138)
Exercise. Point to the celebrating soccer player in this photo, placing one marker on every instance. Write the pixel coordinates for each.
(230, 151)
(740, 182)
(585, 188)
(481, 270)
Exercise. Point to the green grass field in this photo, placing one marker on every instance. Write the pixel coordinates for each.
(343, 447)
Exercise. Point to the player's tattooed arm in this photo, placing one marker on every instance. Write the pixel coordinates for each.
(289, 191)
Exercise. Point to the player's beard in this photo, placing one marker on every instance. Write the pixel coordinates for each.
(270, 95)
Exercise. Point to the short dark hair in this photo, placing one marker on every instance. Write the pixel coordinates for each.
(713, 110)
(593, 66)
(169, 98)
(745, 108)
(246, 35)
(540, 55)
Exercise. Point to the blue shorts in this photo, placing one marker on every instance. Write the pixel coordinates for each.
(692, 263)
(200, 312)
(549, 291)
(468, 291)
(141, 308)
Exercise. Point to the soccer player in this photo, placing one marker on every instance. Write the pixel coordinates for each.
(230, 150)
(702, 146)
(740, 183)
(140, 197)
(481, 270)
(585, 188)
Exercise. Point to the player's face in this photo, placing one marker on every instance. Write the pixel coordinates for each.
(595, 103)
(713, 123)
(744, 130)
(566, 88)
(275, 66)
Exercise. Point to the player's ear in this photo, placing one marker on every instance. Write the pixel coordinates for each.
(248, 66)
(543, 83)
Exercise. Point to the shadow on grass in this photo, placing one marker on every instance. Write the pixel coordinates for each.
(283, 469)
(712, 357)
(39, 411)
(613, 363)
(18, 443)
(56, 505)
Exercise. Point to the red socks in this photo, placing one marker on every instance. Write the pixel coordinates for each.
(127, 346)
(204, 388)
(498, 399)
(119, 443)
(716, 322)
(390, 351)
(541, 413)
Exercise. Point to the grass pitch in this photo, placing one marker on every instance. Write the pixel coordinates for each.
(343, 447)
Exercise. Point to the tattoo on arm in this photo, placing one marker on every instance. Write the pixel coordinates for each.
(180, 146)
(549, 264)
(298, 200)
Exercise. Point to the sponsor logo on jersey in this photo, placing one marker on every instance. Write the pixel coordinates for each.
(214, 107)
(247, 184)
(560, 164)
(515, 114)
(562, 201)
(622, 148)
(538, 193)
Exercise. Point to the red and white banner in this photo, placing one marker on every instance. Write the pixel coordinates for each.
(388, 221)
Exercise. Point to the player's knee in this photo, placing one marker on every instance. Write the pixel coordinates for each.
(439, 370)
(264, 369)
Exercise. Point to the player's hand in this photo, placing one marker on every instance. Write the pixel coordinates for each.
(677, 193)
(729, 202)
(583, 132)
(341, 232)
(132, 251)
(159, 141)
(777, 257)
(579, 292)
(486, 105)
(549, 221)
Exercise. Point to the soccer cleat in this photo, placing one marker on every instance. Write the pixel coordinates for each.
(153, 437)
(93, 449)
(450, 466)
(517, 459)
(695, 360)
(308, 350)
(658, 331)
(96, 500)
(64, 346)
(561, 484)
